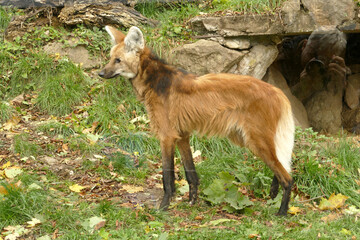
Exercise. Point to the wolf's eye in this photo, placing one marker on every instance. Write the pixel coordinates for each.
(117, 60)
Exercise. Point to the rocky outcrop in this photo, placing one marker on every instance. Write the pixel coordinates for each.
(205, 56)
(295, 17)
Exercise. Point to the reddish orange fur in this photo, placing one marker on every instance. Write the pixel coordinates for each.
(242, 108)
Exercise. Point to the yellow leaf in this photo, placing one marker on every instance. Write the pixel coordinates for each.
(33, 222)
(11, 123)
(3, 190)
(330, 217)
(294, 210)
(6, 165)
(334, 201)
(132, 189)
(76, 188)
(12, 172)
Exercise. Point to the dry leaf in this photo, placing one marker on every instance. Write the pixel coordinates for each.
(11, 123)
(76, 188)
(329, 218)
(12, 172)
(3, 190)
(33, 222)
(6, 165)
(334, 201)
(294, 210)
(132, 189)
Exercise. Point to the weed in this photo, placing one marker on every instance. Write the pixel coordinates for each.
(62, 90)
(23, 146)
(113, 106)
(55, 128)
(19, 206)
(83, 145)
(6, 111)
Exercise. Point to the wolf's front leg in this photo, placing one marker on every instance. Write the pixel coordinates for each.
(167, 151)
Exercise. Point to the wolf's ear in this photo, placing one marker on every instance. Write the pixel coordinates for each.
(116, 35)
(134, 40)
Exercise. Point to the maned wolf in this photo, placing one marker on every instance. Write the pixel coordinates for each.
(248, 111)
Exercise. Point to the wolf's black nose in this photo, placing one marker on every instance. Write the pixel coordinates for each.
(101, 74)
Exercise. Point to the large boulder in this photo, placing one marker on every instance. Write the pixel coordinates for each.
(256, 62)
(275, 78)
(78, 54)
(205, 56)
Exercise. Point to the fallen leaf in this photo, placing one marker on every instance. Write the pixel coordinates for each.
(329, 218)
(11, 123)
(6, 165)
(76, 188)
(132, 189)
(45, 237)
(334, 201)
(34, 186)
(352, 211)
(294, 210)
(12, 172)
(3, 190)
(33, 222)
(345, 231)
(18, 100)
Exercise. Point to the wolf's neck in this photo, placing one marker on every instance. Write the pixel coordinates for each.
(155, 74)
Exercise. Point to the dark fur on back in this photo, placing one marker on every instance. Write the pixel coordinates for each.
(159, 76)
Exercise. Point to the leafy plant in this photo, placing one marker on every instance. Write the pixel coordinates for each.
(225, 190)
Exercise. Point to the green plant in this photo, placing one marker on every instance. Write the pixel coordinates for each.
(23, 146)
(62, 90)
(55, 128)
(18, 206)
(6, 111)
(225, 190)
(322, 167)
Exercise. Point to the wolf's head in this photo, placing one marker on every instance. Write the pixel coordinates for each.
(125, 53)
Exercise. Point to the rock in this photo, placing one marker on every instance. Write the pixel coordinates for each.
(78, 54)
(355, 81)
(351, 119)
(295, 17)
(351, 96)
(275, 78)
(295, 20)
(238, 25)
(237, 43)
(205, 56)
(355, 68)
(257, 61)
(324, 111)
(330, 12)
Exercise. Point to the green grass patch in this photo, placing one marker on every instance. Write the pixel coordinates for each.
(62, 90)
(23, 145)
(54, 128)
(6, 111)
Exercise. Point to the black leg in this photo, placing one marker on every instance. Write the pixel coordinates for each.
(274, 190)
(167, 151)
(190, 171)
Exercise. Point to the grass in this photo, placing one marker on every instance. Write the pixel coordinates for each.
(24, 146)
(6, 111)
(62, 90)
